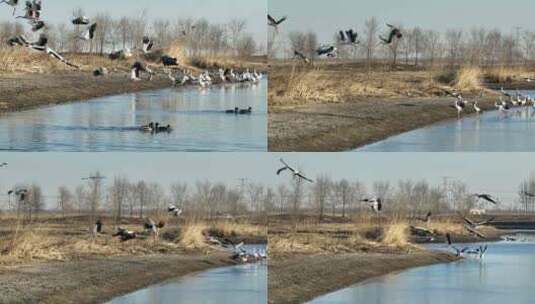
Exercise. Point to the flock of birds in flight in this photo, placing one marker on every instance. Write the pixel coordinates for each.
(345, 38)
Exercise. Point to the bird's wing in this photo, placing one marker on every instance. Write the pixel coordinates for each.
(305, 178)
(281, 20)
(287, 166)
(271, 19)
(281, 169)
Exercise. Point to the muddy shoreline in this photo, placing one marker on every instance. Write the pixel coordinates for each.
(20, 92)
(98, 279)
(333, 127)
(301, 278)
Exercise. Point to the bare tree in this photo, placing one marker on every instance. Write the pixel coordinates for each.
(321, 191)
(65, 199)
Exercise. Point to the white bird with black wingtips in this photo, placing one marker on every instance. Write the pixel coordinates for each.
(294, 171)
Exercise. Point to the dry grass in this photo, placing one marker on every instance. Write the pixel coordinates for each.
(397, 234)
(507, 75)
(294, 85)
(468, 79)
(70, 239)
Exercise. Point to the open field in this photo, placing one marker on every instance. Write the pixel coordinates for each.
(340, 106)
(57, 260)
(310, 258)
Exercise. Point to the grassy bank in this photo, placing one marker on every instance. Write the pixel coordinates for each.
(342, 106)
(57, 260)
(309, 258)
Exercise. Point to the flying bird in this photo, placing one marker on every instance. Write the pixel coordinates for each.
(486, 197)
(173, 209)
(528, 194)
(295, 172)
(275, 23)
(82, 20)
(349, 37)
(147, 45)
(394, 33)
(89, 33)
(375, 203)
(329, 51)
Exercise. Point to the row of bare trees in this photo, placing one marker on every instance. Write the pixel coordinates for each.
(477, 46)
(121, 198)
(197, 37)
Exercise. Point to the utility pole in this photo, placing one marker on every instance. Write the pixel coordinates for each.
(94, 182)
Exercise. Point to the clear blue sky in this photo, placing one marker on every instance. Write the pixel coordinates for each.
(327, 17)
(496, 173)
(217, 11)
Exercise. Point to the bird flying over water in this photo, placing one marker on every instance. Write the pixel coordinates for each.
(394, 33)
(474, 231)
(295, 172)
(476, 224)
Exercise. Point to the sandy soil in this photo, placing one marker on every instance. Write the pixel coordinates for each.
(25, 91)
(329, 127)
(297, 279)
(96, 280)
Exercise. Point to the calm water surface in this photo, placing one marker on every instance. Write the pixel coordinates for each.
(235, 284)
(505, 275)
(109, 123)
(489, 132)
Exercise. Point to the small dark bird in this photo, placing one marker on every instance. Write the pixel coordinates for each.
(394, 32)
(486, 197)
(168, 60)
(275, 23)
(249, 110)
(233, 111)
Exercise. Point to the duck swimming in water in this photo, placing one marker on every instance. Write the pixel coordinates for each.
(147, 128)
(234, 111)
(249, 110)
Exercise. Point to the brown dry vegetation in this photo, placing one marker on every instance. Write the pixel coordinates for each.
(294, 84)
(363, 234)
(55, 239)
